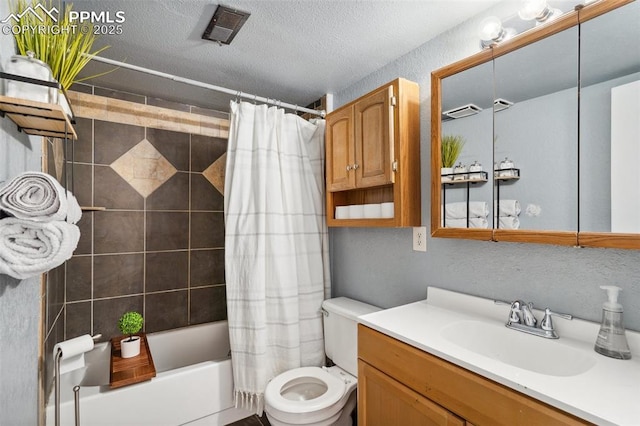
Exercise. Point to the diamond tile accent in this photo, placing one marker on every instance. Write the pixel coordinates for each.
(215, 173)
(144, 168)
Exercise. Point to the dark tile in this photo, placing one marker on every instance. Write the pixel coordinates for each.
(208, 304)
(168, 104)
(174, 146)
(207, 267)
(85, 225)
(251, 421)
(51, 165)
(205, 150)
(83, 146)
(209, 112)
(80, 183)
(55, 293)
(171, 195)
(79, 278)
(113, 192)
(82, 88)
(164, 311)
(118, 232)
(167, 231)
(106, 313)
(118, 275)
(111, 140)
(204, 196)
(167, 271)
(207, 230)
(116, 94)
(78, 321)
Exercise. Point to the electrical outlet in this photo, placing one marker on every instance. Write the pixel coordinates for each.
(420, 238)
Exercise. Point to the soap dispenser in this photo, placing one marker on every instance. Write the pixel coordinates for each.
(611, 340)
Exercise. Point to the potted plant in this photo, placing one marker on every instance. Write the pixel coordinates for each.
(450, 148)
(129, 324)
(66, 52)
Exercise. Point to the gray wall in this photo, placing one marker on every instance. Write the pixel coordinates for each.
(378, 266)
(19, 300)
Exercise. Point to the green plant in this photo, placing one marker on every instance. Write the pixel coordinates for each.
(130, 323)
(66, 50)
(450, 149)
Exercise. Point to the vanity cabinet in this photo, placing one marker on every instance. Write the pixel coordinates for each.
(373, 156)
(402, 385)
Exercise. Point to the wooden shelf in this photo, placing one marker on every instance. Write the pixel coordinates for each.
(127, 371)
(92, 209)
(38, 118)
(455, 182)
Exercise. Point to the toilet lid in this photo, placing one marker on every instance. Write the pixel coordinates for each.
(304, 390)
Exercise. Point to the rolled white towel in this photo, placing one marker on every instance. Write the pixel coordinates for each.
(29, 248)
(507, 208)
(474, 222)
(508, 222)
(38, 196)
(459, 210)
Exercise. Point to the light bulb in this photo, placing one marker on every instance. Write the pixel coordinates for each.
(490, 29)
(538, 10)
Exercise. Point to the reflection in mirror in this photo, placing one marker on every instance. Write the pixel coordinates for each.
(467, 100)
(535, 138)
(610, 122)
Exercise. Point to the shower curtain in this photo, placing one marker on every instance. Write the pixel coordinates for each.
(276, 246)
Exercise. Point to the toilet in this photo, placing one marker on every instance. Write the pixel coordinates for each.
(322, 396)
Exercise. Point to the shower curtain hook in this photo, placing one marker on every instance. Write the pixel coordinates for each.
(238, 96)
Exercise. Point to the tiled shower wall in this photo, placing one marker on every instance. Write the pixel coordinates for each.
(158, 245)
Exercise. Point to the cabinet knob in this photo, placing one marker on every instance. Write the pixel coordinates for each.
(355, 166)
(348, 167)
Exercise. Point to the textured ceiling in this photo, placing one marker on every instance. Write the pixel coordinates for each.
(294, 51)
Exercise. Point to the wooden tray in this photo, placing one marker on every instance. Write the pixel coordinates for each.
(127, 371)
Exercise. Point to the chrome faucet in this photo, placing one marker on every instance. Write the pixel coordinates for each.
(521, 318)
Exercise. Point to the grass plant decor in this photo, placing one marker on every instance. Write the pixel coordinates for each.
(450, 147)
(130, 323)
(66, 50)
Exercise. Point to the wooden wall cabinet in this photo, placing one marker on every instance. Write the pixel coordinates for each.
(373, 155)
(401, 385)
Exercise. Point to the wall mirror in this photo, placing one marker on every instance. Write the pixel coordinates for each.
(610, 129)
(540, 163)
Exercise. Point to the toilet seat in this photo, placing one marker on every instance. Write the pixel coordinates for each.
(335, 390)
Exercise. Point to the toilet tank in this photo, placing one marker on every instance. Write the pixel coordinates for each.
(341, 331)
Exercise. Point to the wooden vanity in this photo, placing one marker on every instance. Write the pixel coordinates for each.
(401, 385)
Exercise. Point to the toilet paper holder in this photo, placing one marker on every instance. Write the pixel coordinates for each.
(78, 347)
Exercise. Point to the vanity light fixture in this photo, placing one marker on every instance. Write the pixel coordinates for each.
(462, 111)
(492, 31)
(225, 24)
(501, 104)
(538, 10)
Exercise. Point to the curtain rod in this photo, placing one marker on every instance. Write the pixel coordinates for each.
(191, 82)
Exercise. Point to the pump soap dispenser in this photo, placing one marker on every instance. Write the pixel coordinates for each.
(611, 340)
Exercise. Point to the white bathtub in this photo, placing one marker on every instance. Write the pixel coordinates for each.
(193, 385)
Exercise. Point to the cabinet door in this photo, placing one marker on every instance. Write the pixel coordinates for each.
(340, 150)
(382, 401)
(374, 139)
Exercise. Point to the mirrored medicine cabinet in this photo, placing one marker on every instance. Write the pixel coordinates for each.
(553, 118)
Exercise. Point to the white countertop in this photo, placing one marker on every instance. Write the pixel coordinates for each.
(608, 393)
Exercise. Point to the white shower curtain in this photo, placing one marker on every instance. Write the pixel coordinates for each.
(276, 246)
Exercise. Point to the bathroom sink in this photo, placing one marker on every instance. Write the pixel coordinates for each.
(532, 353)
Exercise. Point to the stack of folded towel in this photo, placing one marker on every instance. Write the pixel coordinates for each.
(37, 229)
(508, 212)
(455, 215)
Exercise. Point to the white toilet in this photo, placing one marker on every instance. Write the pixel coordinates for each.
(322, 396)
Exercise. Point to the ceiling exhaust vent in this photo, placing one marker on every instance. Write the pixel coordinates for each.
(500, 104)
(225, 24)
(463, 111)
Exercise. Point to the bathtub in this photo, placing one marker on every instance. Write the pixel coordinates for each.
(193, 385)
